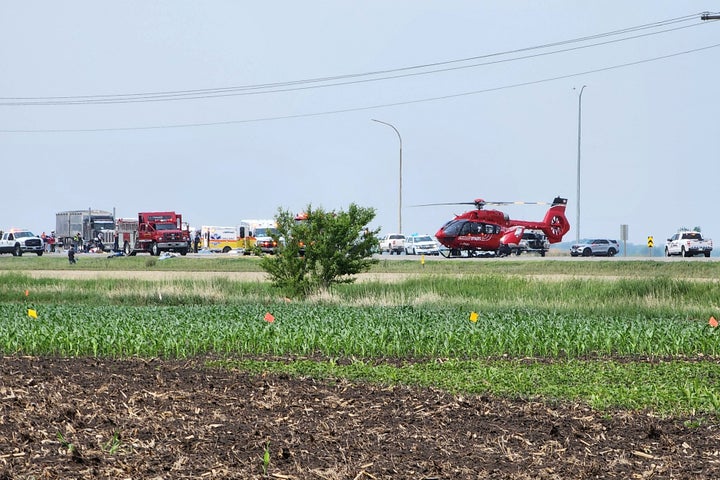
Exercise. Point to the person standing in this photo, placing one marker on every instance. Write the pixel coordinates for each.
(196, 241)
(51, 242)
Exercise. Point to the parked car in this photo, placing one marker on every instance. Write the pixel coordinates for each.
(421, 245)
(533, 241)
(595, 247)
(392, 243)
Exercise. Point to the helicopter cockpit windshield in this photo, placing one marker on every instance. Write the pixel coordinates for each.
(453, 228)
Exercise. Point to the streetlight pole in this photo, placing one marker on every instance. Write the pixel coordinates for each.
(577, 222)
(400, 187)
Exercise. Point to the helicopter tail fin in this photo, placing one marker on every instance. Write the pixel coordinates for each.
(556, 224)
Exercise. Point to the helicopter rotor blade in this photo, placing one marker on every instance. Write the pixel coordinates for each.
(518, 203)
(479, 203)
(441, 204)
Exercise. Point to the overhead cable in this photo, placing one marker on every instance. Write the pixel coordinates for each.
(350, 79)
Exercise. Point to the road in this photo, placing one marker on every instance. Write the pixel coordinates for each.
(550, 257)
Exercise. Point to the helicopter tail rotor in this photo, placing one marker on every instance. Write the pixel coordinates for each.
(556, 223)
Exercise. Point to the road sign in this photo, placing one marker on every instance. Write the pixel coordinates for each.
(651, 243)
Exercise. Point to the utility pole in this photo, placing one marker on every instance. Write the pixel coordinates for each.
(400, 188)
(577, 224)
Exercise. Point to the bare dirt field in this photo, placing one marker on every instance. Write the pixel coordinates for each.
(82, 418)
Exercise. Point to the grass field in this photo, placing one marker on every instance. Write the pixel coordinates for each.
(611, 333)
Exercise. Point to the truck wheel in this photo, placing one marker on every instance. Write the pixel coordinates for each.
(17, 251)
(39, 254)
(707, 254)
(154, 250)
(226, 249)
(183, 251)
(667, 252)
(542, 253)
(587, 252)
(684, 253)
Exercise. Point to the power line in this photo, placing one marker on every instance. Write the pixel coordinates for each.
(373, 107)
(350, 79)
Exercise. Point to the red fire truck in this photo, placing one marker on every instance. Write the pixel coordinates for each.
(153, 233)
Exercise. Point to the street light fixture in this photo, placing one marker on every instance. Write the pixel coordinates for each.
(577, 222)
(400, 187)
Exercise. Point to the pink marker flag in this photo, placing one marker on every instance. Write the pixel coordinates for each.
(712, 322)
(269, 318)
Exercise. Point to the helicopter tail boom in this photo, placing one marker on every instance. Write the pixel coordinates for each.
(554, 225)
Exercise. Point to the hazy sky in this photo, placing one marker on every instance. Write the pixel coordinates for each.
(225, 110)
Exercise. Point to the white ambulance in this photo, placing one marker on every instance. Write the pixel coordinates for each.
(257, 233)
(220, 239)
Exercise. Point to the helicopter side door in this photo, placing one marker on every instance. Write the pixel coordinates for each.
(472, 234)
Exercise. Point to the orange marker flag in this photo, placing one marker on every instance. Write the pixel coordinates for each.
(269, 318)
(473, 317)
(32, 313)
(27, 292)
(713, 323)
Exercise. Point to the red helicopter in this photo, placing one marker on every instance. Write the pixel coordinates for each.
(492, 232)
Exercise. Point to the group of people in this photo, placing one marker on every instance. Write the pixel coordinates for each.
(49, 241)
(78, 245)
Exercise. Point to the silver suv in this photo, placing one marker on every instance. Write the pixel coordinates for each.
(595, 247)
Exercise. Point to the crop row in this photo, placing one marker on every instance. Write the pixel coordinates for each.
(344, 331)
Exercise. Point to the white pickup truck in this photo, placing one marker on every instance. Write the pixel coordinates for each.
(18, 242)
(392, 243)
(688, 244)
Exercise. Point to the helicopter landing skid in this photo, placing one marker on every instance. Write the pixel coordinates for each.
(471, 253)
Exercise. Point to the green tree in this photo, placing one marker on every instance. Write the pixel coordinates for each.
(323, 249)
